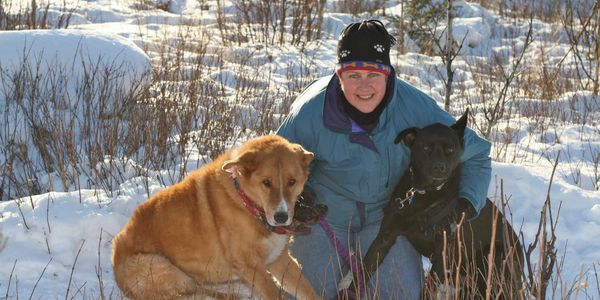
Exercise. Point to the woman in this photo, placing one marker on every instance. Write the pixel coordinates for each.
(349, 120)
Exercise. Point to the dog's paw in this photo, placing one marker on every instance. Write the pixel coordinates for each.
(309, 214)
(307, 210)
(298, 228)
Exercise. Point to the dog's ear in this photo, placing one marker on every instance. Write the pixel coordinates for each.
(407, 135)
(460, 125)
(307, 156)
(244, 163)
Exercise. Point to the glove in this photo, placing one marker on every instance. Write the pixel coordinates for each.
(452, 214)
(307, 211)
(465, 206)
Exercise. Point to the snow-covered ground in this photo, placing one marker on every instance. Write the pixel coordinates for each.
(57, 244)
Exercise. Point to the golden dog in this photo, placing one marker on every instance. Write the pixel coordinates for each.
(222, 222)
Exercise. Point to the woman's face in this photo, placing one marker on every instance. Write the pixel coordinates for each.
(363, 89)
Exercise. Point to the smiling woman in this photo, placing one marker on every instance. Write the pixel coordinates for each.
(363, 89)
(349, 120)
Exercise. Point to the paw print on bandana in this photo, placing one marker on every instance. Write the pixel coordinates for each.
(379, 48)
(344, 53)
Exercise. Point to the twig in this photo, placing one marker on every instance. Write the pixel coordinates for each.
(544, 267)
(39, 278)
(18, 202)
(491, 258)
(78, 290)
(47, 243)
(445, 264)
(459, 240)
(47, 213)
(99, 268)
(597, 281)
(31, 202)
(10, 279)
(73, 269)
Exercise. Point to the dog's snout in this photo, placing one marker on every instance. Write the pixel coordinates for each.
(439, 168)
(280, 217)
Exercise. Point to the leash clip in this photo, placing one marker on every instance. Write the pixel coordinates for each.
(402, 203)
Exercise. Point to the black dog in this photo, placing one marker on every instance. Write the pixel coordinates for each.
(425, 207)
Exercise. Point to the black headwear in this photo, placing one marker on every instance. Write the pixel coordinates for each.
(367, 40)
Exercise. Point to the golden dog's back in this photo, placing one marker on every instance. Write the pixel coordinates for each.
(172, 215)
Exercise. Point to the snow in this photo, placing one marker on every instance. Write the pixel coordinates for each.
(59, 242)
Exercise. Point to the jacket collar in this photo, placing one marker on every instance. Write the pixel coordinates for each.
(336, 119)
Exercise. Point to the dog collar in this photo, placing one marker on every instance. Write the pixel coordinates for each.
(257, 211)
(410, 195)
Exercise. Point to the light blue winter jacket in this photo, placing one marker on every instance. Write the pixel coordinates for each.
(354, 172)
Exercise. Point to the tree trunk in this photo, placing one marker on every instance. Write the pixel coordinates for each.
(449, 53)
(320, 11)
(597, 55)
(283, 11)
(401, 29)
(308, 13)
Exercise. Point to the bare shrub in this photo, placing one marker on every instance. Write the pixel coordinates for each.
(21, 15)
(97, 130)
(358, 8)
(544, 79)
(582, 27)
(419, 22)
(62, 145)
(448, 52)
(548, 11)
(189, 108)
(595, 154)
(153, 4)
(271, 22)
(539, 273)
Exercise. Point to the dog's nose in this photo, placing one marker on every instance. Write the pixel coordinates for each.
(280, 217)
(440, 168)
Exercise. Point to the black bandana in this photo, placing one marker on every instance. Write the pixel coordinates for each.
(367, 121)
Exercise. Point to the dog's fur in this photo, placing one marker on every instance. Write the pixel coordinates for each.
(435, 161)
(199, 232)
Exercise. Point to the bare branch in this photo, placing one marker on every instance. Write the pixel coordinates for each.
(73, 269)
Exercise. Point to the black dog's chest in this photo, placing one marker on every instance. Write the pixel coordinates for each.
(419, 218)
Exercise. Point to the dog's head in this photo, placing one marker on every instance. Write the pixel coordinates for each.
(272, 172)
(435, 151)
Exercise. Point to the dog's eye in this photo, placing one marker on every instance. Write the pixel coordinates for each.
(266, 182)
(291, 182)
(427, 148)
(449, 150)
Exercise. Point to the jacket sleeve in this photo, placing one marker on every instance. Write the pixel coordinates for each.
(476, 169)
(297, 127)
(296, 130)
(287, 129)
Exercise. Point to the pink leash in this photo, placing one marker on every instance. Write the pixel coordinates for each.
(344, 253)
